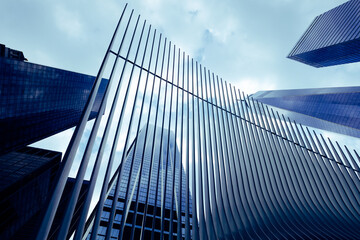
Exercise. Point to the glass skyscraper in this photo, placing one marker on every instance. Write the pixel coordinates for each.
(332, 38)
(38, 101)
(26, 178)
(332, 109)
(139, 187)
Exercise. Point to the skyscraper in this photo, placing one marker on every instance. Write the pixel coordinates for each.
(54, 232)
(332, 38)
(331, 109)
(144, 170)
(30, 228)
(38, 101)
(26, 178)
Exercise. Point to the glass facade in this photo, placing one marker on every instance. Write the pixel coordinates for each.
(26, 177)
(332, 38)
(62, 208)
(147, 196)
(30, 228)
(331, 109)
(38, 101)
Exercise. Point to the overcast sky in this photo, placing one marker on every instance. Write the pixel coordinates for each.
(244, 42)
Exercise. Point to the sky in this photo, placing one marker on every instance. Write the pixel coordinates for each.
(244, 42)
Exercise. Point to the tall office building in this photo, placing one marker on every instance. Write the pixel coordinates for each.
(332, 109)
(31, 227)
(332, 38)
(26, 178)
(142, 195)
(38, 101)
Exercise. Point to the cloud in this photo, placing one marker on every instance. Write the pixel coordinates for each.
(68, 22)
(251, 85)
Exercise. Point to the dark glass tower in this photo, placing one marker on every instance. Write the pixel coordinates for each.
(149, 199)
(38, 101)
(333, 38)
(26, 177)
(331, 109)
